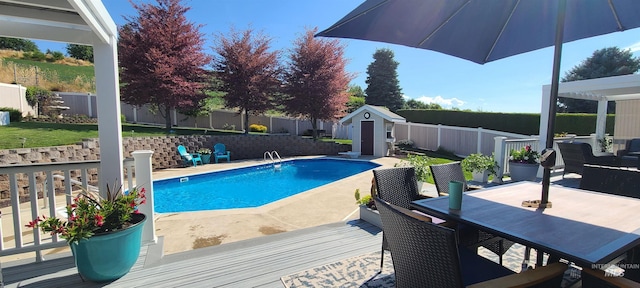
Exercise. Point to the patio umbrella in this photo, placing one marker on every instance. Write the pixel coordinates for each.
(486, 30)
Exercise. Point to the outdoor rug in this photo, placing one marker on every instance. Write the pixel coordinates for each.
(358, 271)
(352, 272)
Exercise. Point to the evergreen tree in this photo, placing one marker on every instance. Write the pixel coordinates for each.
(383, 87)
(606, 62)
(161, 59)
(316, 79)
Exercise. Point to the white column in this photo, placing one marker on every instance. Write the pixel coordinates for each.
(439, 134)
(499, 154)
(144, 179)
(601, 119)
(174, 112)
(135, 114)
(89, 105)
(107, 86)
(544, 120)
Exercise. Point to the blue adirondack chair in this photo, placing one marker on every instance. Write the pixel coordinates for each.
(187, 157)
(220, 152)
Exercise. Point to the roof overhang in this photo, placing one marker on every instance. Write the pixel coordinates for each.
(625, 87)
(68, 21)
(377, 110)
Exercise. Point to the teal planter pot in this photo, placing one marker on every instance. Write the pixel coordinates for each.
(206, 158)
(109, 256)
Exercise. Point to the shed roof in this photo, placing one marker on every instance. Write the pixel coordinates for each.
(376, 110)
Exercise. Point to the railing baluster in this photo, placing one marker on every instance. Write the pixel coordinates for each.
(15, 204)
(33, 197)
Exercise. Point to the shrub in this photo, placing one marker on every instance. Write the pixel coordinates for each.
(14, 114)
(479, 163)
(258, 128)
(57, 55)
(228, 126)
(405, 143)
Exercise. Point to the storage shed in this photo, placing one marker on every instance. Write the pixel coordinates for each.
(373, 129)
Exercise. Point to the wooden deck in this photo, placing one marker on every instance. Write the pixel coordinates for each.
(258, 262)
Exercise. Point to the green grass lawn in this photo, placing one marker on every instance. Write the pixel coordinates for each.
(55, 134)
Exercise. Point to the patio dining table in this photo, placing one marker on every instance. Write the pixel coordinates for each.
(588, 228)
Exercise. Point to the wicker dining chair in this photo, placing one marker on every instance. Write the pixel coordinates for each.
(398, 186)
(427, 255)
(442, 174)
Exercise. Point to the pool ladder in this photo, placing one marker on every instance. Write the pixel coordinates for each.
(274, 158)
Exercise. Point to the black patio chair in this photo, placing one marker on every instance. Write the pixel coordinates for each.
(442, 174)
(427, 255)
(576, 154)
(397, 186)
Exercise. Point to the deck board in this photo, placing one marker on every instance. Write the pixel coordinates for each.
(258, 262)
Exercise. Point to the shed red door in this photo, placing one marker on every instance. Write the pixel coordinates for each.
(366, 138)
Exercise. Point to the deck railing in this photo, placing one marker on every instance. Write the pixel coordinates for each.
(503, 147)
(40, 181)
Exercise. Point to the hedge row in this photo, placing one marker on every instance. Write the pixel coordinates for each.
(520, 123)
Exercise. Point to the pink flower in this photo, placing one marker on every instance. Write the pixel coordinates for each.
(99, 220)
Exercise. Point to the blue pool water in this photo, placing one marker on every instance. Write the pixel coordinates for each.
(250, 186)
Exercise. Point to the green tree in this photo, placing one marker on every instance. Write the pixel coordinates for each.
(356, 98)
(18, 44)
(383, 86)
(606, 62)
(80, 52)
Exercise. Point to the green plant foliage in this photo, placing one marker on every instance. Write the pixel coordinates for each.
(421, 165)
(479, 163)
(524, 155)
(204, 151)
(18, 44)
(258, 128)
(365, 200)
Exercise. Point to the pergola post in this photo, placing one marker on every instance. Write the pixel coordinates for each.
(109, 124)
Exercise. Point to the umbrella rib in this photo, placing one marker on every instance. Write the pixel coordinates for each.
(443, 23)
(337, 25)
(615, 15)
(495, 42)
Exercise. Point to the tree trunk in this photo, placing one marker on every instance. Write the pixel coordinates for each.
(167, 118)
(314, 128)
(246, 122)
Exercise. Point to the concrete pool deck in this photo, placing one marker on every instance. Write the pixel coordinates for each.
(329, 203)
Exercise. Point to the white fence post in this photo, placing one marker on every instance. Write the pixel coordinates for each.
(439, 134)
(499, 154)
(144, 179)
(479, 150)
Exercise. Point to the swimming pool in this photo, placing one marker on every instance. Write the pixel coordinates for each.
(250, 186)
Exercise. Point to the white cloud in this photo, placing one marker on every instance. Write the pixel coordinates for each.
(634, 47)
(447, 103)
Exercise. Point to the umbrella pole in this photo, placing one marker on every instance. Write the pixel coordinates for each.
(555, 79)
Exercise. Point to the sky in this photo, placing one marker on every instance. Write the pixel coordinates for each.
(513, 84)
